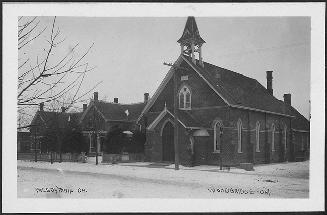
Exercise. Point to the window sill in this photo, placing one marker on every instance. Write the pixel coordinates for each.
(184, 108)
(240, 152)
(216, 152)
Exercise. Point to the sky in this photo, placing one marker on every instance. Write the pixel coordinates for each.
(129, 52)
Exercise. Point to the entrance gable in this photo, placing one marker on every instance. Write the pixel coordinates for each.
(162, 116)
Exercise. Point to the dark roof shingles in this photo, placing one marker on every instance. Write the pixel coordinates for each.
(116, 111)
(238, 89)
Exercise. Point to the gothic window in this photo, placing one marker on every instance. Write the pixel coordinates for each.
(257, 137)
(217, 140)
(285, 138)
(239, 136)
(185, 98)
(273, 137)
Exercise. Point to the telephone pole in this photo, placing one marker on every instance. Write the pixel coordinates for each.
(95, 137)
(35, 153)
(176, 122)
(176, 147)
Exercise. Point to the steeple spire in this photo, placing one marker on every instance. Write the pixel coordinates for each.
(191, 41)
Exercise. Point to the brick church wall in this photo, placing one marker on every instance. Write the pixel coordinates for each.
(199, 90)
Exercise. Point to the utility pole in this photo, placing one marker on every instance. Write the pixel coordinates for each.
(60, 122)
(175, 112)
(35, 154)
(176, 122)
(95, 137)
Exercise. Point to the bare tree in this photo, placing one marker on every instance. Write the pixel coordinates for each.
(49, 76)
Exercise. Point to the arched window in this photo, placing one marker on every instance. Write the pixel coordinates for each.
(257, 137)
(285, 139)
(184, 98)
(239, 136)
(217, 140)
(273, 137)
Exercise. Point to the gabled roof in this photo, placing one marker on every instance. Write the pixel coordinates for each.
(235, 89)
(300, 122)
(162, 85)
(186, 120)
(116, 111)
(238, 90)
(51, 118)
(191, 32)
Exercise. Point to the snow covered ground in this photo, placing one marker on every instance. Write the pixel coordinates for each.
(153, 180)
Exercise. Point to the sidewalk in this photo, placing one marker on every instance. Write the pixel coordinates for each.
(200, 176)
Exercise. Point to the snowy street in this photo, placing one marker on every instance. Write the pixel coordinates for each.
(151, 180)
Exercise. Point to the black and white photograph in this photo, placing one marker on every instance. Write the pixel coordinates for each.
(129, 107)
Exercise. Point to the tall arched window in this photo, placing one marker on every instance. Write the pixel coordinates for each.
(184, 98)
(217, 140)
(285, 139)
(257, 137)
(273, 137)
(239, 136)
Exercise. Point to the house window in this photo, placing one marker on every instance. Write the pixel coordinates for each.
(217, 140)
(273, 137)
(239, 136)
(285, 139)
(302, 142)
(257, 137)
(185, 98)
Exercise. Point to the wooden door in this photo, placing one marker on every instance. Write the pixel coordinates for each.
(168, 152)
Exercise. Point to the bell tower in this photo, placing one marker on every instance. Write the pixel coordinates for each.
(191, 41)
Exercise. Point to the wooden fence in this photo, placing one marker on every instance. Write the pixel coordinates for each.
(66, 157)
(130, 157)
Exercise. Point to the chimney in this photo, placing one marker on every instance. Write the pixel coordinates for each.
(63, 109)
(269, 82)
(41, 106)
(84, 107)
(288, 99)
(146, 97)
(96, 96)
(115, 100)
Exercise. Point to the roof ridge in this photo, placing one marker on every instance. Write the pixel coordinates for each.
(106, 102)
(228, 70)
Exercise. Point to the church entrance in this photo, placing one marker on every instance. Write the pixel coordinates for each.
(168, 152)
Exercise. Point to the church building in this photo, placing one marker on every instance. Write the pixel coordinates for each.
(220, 116)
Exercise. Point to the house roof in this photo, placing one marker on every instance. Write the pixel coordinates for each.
(117, 111)
(239, 90)
(191, 32)
(300, 122)
(51, 118)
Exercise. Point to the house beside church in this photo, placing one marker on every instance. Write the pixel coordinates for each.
(44, 121)
(100, 117)
(220, 114)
